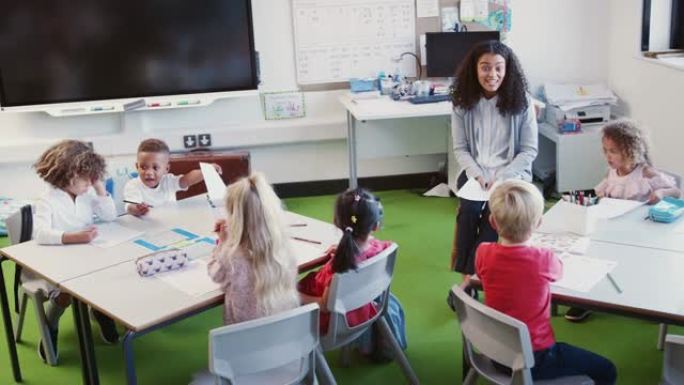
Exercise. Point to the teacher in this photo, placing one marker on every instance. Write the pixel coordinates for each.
(494, 131)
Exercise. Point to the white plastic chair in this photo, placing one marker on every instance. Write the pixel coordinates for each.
(356, 288)
(279, 349)
(673, 361)
(489, 335)
(19, 229)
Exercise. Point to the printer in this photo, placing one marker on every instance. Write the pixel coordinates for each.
(586, 115)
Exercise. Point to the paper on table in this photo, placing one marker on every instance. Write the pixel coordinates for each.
(193, 279)
(215, 186)
(111, 234)
(472, 191)
(582, 273)
(612, 208)
(561, 243)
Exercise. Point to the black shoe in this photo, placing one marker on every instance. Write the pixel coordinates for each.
(576, 314)
(107, 327)
(41, 348)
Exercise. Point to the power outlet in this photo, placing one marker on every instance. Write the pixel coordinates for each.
(190, 141)
(204, 140)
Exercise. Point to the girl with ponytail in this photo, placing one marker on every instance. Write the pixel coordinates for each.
(358, 214)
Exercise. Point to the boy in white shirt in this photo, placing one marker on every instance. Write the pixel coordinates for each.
(155, 185)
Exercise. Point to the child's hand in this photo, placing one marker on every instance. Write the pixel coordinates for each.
(220, 229)
(218, 168)
(138, 210)
(653, 198)
(99, 187)
(83, 236)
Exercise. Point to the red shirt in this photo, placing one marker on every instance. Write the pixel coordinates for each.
(315, 283)
(516, 281)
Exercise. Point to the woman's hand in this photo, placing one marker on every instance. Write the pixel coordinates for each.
(486, 185)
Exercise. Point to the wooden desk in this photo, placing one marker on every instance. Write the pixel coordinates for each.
(107, 279)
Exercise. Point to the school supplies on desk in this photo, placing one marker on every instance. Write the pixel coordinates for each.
(161, 261)
(667, 210)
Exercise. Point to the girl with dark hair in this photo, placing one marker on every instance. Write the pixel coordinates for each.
(357, 213)
(495, 138)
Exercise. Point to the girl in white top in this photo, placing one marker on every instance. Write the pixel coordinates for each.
(155, 185)
(64, 215)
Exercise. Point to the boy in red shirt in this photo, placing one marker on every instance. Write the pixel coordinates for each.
(516, 278)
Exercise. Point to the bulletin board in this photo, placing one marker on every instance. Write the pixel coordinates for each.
(336, 40)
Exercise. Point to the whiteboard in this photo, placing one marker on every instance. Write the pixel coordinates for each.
(336, 40)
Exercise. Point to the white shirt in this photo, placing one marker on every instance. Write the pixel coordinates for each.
(56, 213)
(136, 191)
(492, 137)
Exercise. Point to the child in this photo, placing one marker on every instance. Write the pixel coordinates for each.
(358, 213)
(495, 138)
(252, 261)
(516, 279)
(631, 175)
(64, 215)
(155, 185)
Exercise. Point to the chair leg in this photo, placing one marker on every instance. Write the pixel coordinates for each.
(345, 356)
(22, 315)
(50, 355)
(399, 355)
(323, 372)
(662, 333)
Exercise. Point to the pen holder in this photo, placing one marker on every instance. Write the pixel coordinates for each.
(161, 261)
(579, 219)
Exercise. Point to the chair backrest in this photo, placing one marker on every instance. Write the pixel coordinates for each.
(370, 282)
(20, 225)
(673, 360)
(284, 340)
(492, 335)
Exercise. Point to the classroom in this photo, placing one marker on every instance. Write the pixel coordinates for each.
(226, 192)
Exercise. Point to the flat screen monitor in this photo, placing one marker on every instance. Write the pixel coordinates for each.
(82, 50)
(446, 50)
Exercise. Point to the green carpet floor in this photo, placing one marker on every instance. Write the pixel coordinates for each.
(423, 228)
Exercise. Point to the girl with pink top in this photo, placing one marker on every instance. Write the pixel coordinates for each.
(358, 213)
(631, 174)
(252, 261)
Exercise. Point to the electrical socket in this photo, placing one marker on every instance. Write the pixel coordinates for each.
(204, 140)
(190, 141)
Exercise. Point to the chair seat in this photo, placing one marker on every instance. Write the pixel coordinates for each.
(572, 380)
(287, 374)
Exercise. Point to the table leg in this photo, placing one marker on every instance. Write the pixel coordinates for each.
(9, 331)
(85, 341)
(351, 148)
(129, 359)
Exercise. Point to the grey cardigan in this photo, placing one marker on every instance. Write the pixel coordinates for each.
(521, 152)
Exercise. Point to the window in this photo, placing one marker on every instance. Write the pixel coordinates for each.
(662, 26)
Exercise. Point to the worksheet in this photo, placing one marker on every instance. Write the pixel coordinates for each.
(193, 279)
(582, 273)
(111, 234)
(561, 243)
(215, 186)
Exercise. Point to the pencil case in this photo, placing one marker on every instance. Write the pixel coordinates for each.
(667, 210)
(161, 261)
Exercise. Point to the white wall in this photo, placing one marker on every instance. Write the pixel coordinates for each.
(312, 148)
(651, 93)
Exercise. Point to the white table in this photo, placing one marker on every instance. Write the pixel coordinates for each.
(107, 279)
(650, 259)
(385, 108)
(576, 158)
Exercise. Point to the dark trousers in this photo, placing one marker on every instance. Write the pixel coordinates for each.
(472, 228)
(563, 360)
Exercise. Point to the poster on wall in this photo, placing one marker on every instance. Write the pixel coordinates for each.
(499, 16)
(283, 105)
